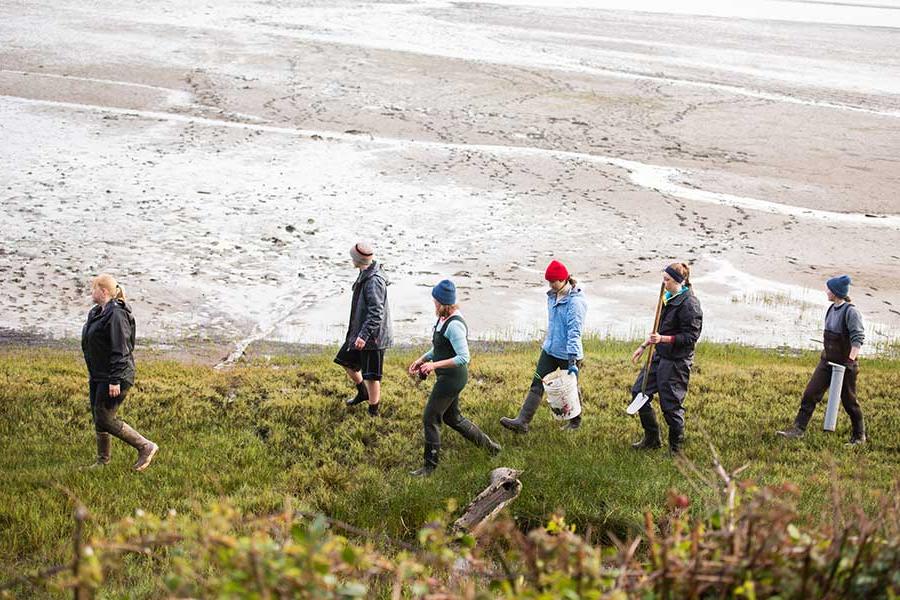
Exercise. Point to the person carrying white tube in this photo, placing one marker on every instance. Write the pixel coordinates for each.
(844, 335)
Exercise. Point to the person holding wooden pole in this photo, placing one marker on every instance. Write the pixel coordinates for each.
(679, 322)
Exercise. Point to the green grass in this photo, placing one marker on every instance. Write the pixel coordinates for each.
(277, 427)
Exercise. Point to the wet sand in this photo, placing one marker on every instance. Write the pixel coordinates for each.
(221, 161)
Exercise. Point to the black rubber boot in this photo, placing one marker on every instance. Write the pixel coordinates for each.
(648, 442)
(676, 441)
(432, 455)
(651, 440)
(361, 395)
(793, 433)
(471, 432)
(146, 449)
(526, 413)
(859, 433)
(572, 424)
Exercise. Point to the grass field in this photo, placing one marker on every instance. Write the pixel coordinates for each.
(276, 427)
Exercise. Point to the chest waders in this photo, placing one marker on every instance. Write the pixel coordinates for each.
(443, 404)
(837, 350)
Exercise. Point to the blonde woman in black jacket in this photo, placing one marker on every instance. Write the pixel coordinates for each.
(107, 341)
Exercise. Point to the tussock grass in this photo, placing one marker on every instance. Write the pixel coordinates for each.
(276, 426)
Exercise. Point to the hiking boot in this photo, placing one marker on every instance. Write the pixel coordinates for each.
(146, 449)
(361, 395)
(650, 441)
(793, 433)
(526, 413)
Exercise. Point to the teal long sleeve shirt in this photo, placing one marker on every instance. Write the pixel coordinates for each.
(456, 333)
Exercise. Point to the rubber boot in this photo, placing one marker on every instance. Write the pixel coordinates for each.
(572, 424)
(361, 395)
(676, 441)
(526, 413)
(103, 450)
(651, 440)
(432, 455)
(146, 449)
(793, 433)
(858, 436)
(471, 432)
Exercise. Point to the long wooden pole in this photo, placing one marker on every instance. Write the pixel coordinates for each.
(659, 305)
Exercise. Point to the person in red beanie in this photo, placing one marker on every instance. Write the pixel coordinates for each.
(562, 348)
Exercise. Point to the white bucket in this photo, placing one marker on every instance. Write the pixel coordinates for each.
(834, 396)
(562, 395)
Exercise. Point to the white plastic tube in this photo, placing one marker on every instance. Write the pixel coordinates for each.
(834, 396)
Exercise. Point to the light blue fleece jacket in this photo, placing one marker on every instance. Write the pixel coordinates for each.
(565, 322)
(456, 333)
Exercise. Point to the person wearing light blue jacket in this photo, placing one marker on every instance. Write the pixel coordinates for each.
(448, 359)
(562, 348)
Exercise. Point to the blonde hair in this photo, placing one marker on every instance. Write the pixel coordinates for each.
(683, 270)
(109, 283)
(445, 310)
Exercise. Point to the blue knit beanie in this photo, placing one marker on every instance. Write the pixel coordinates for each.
(839, 286)
(444, 292)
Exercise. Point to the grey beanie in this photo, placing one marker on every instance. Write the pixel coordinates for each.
(362, 254)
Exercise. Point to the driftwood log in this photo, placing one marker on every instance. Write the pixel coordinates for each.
(504, 488)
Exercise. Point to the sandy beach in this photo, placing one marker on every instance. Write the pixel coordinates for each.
(221, 159)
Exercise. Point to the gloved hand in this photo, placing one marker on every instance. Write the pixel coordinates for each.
(573, 366)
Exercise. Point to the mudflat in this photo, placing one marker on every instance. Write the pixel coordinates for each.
(221, 159)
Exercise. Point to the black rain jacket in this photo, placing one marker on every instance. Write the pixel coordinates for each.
(681, 317)
(107, 341)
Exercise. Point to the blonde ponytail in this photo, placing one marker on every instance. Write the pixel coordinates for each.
(108, 283)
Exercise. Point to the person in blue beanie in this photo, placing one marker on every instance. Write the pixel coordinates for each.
(562, 348)
(844, 335)
(448, 359)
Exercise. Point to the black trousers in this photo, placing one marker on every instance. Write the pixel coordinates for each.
(669, 379)
(104, 408)
(819, 384)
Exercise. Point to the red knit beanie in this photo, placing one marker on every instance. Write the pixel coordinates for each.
(556, 271)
